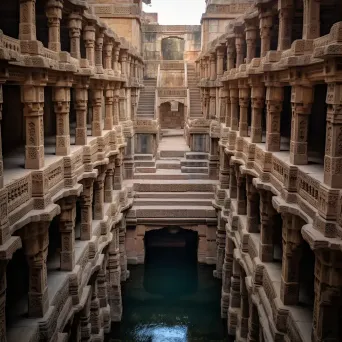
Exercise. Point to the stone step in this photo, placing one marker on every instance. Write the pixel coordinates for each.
(172, 201)
(145, 169)
(189, 169)
(166, 153)
(168, 164)
(155, 185)
(194, 162)
(175, 195)
(169, 176)
(172, 211)
(196, 155)
(143, 156)
(145, 163)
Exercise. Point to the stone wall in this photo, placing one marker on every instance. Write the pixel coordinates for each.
(171, 118)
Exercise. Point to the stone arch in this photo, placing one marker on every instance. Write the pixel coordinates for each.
(172, 47)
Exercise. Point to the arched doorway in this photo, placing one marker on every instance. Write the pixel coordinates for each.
(173, 48)
(171, 261)
(171, 115)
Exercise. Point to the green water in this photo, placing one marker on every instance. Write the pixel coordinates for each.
(170, 299)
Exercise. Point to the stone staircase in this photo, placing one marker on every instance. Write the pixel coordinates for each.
(174, 186)
(195, 98)
(147, 99)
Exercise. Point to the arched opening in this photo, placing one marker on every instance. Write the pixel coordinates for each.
(172, 48)
(172, 115)
(171, 261)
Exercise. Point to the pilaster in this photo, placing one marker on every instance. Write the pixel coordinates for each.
(75, 28)
(109, 107)
(244, 96)
(311, 19)
(86, 203)
(89, 33)
(27, 26)
(97, 98)
(54, 14)
(265, 27)
(81, 108)
(257, 104)
(285, 9)
(99, 194)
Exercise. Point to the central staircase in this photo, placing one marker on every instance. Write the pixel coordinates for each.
(147, 100)
(195, 97)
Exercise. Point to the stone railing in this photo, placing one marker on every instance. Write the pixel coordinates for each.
(172, 92)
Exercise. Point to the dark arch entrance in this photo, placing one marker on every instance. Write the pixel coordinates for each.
(171, 261)
(173, 48)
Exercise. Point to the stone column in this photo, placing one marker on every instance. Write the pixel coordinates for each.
(122, 105)
(97, 97)
(311, 19)
(27, 26)
(116, 54)
(61, 99)
(224, 170)
(99, 194)
(301, 100)
(3, 286)
(220, 242)
(212, 67)
(54, 15)
(327, 306)
(98, 51)
(251, 37)
(85, 326)
(227, 272)
(333, 140)
(241, 192)
(81, 108)
(86, 200)
(265, 31)
(67, 230)
(118, 173)
(252, 206)
(240, 49)
(253, 323)
(108, 54)
(220, 56)
(207, 67)
(134, 103)
(292, 239)
(244, 95)
(113, 277)
(266, 230)
(206, 109)
(244, 306)
(232, 182)
(36, 240)
(123, 58)
(234, 107)
(122, 247)
(258, 103)
(108, 191)
(89, 42)
(75, 28)
(222, 104)
(285, 8)
(230, 54)
(116, 109)
(95, 319)
(109, 106)
(234, 298)
(33, 99)
(274, 101)
(228, 108)
(212, 105)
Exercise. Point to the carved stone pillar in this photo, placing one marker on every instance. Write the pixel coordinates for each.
(116, 109)
(89, 33)
(102, 284)
(75, 28)
(234, 107)
(253, 323)
(251, 37)
(27, 26)
(99, 194)
(54, 14)
(95, 319)
(234, 298)
(212, 105)
(285, 8)
(33, 99)
(108, 192)
(292, 239)
(109, 107)
(258, 103)
(134, 103)
(327, 306)
(118, 176)
(232, 182)
(108, 54)
(85, 325)
(274, 101)
(3, 286)
(81, 108)
(220, 56)
(122, 247)
(206, 109)
(224, 170)
(227, 272)
(252, 206)
(240, 49)
(301, 100)
(311, 19)
(113, 277)
(220, 241)
(244, 306)
(97, 97)
(212, 67)
(241, 192)
(99, 51)
(230, 54)
(61, 99)
(122, 105)
(333, 140)
(265, 32)
(86, 200)
(266, 230)
(244, 95)
(207, 67)
(36, 240)
(228, 108)
(123, 58)
(116, 55)
(67, 230)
